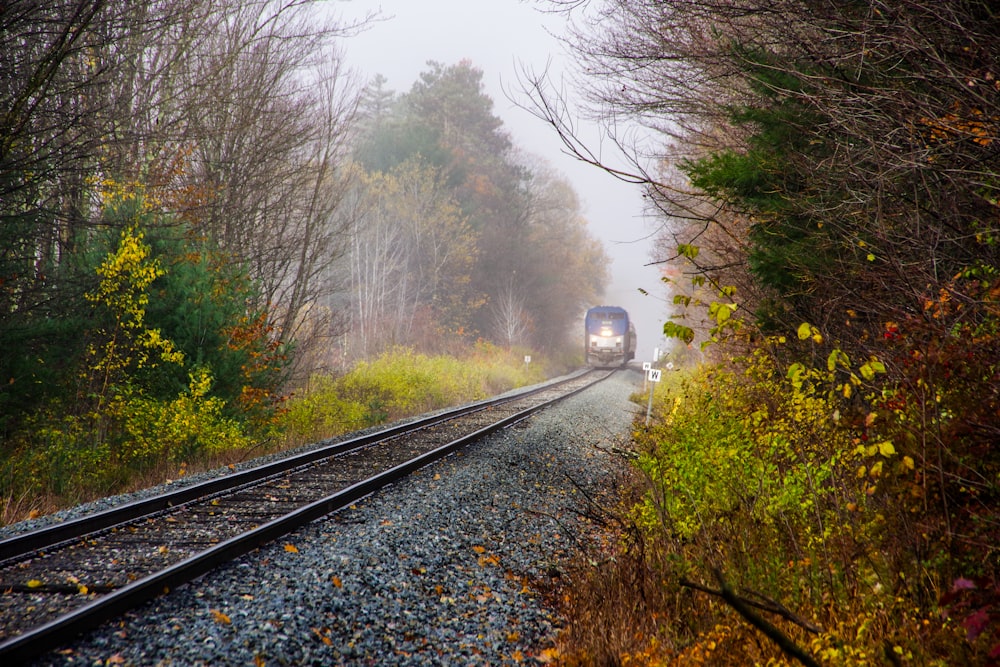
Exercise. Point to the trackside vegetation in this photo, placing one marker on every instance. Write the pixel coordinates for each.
(790, 515)
(401, 383)
(147, 440)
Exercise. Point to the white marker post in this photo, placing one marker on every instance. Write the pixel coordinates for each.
(652, 375)
(645, 375)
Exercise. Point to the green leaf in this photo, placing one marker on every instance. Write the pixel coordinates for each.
(687, 250)
(674, 330)
(837, 357)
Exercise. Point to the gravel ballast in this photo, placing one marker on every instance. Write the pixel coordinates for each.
(437, 569)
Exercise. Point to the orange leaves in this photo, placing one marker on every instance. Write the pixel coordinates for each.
(548, 656)
(962, 124)
(484, 559)
(291, 548)
(219, 617)
(324, 635)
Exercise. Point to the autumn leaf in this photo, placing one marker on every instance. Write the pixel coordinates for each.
(492, 559)
(337, 583)
(290, 548)
(220, 617)
(35, 583)
(479, 550)
(324, 637)
(548, 655)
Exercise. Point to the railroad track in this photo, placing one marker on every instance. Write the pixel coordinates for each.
(61, 580)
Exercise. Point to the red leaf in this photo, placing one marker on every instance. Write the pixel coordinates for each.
(976, 622)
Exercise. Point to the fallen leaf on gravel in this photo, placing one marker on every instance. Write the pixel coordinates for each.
(479, 550)
(220, 617)
(290, 548)
(324, 636)
(34, 583)
(337, 582)
(116, 659)
(492, 559)
(548, 655)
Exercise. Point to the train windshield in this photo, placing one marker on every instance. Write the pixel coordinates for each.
(615, 320)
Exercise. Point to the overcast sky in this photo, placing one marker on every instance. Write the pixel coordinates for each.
(502, 38)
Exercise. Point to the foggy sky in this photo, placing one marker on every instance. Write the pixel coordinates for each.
(502, 38)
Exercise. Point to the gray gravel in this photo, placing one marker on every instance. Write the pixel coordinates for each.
(438, 569)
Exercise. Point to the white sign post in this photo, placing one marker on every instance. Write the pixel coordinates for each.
(652, 375)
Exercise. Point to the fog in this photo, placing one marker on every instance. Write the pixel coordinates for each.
(504, 38)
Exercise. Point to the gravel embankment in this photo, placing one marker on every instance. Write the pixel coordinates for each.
(436, 570)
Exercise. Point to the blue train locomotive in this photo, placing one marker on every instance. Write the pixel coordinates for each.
(610, 337)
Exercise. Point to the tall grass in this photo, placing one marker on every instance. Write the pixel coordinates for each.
(398, 384)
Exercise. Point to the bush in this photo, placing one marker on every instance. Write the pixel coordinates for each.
(784, 486)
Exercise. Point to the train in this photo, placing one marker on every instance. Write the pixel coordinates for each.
(609, 336)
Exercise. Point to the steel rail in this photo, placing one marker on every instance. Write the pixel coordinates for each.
(35, 641)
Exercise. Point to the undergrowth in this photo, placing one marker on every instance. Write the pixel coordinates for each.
(63, 460)
(781, 516)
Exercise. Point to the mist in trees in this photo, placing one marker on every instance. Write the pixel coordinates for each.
(460, 236)
(200, 208)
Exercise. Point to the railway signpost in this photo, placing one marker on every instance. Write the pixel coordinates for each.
(653, 376)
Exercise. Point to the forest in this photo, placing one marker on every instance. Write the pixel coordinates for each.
(824, 488)
(215, 241)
